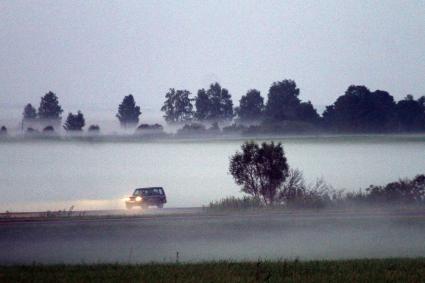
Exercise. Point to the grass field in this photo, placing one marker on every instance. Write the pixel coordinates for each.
(367, 270)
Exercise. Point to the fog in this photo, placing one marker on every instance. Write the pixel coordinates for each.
(43, 175)
(301, 235)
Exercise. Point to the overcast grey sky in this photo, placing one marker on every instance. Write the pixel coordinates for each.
(92, 53)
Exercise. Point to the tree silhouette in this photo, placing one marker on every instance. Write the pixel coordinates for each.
(411, 114)
(214, 104)
(360, 110)
(128, 112)
(203, 105)
(260, 170)
(307, 113)
(283, 101)
(3, 131)
(94, 129)
(49, 107)
(29, 112)
(74, 122)
(251, 106)
(177, 106)
(49, 130)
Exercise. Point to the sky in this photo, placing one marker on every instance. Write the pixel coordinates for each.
(93, 53)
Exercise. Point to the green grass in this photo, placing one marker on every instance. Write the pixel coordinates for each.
(367, 270)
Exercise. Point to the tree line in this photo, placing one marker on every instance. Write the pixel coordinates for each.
(358, 110)
(50, 112)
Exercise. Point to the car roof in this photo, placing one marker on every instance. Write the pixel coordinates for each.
(149, 188)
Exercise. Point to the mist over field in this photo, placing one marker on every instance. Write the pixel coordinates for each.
(191, 131)
(55, 175)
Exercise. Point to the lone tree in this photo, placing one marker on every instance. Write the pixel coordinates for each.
(29, 114)
(260, 170)
(49, 107)
(177, 106)
(128, 112)
(214, 104)
(251, 106)
(74, 122)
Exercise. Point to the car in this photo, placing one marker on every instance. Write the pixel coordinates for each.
(145, 197)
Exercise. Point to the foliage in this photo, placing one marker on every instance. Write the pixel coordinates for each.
(3, 131)
(403, 191)
(49, 129)
(49, 107)
(154, 130)
(94, 129)
(294, 192)
(177, 106)
(282, 101)
(192, 129)
(307, 113)
(411, 114)
(360, 110)
(260, 170)
(234, 129)
(128, 112)
(214, 104)
(30, 113)
(251, 106)
(283, 127)
(357, 270)
(246, 202)
(75, 122)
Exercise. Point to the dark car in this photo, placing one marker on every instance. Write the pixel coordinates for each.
(145, 197)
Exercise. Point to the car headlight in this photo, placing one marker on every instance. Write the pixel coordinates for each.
(127, 199)
(138, 198)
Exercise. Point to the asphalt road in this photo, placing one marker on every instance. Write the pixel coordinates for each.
(192, 235)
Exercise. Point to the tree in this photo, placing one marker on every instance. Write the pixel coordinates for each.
(128, 112)
(3, 131)
(215, 104)
(75, 122)
(411, 114)
(203, 105)
(177, 106)
(29, 113)
(94, 129)
(283, 101)
(307, 113)
(360, 110)
(251, 106)
(260, 170)
(49, 107)
(49, 130)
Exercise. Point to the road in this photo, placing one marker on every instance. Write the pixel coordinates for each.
(192, 235)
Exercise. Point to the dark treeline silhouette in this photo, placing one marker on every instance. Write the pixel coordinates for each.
(211, 111)
(358, 110)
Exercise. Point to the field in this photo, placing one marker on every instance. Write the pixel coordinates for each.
(366, 270)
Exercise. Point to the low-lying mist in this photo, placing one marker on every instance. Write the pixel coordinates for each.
(252, 236)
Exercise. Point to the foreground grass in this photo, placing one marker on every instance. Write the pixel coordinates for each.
(369, 270)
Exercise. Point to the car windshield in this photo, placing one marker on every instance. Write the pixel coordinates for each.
(148, 192)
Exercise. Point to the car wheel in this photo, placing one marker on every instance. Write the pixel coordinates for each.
(160, 205)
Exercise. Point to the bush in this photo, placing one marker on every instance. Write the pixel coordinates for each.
(192, 129)
(230, 203)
